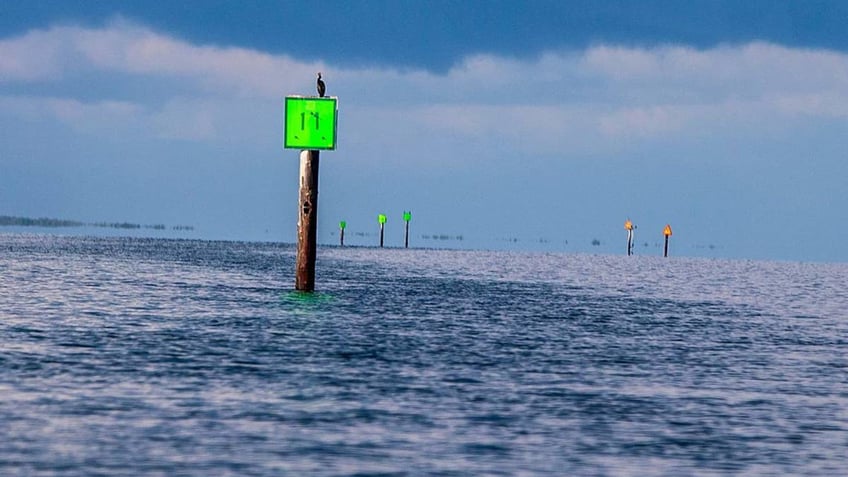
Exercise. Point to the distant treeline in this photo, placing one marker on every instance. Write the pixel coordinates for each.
(6, 220)
(423, 236)
(9, 221)
(442, 237)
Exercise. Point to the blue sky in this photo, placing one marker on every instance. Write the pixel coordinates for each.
(537, 125)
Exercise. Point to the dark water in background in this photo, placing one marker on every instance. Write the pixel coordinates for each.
(158, 357)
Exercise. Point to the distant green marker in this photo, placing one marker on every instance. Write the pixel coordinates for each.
(342, 224)
(382, 219)
(407, 216)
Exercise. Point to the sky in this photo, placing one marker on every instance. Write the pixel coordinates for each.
(538, 125)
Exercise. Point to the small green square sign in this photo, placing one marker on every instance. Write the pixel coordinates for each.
(311, 122)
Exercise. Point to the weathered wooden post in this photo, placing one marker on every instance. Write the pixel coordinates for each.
(342, 226)
(310, 125)
(407, 216)
(667, 233)
(382, 219)
(307, 223)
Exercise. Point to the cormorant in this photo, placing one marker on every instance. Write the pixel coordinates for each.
(321, 86)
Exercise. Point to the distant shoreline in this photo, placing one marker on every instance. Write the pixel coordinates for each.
(11, 221)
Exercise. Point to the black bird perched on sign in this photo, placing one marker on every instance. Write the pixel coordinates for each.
(322, 88)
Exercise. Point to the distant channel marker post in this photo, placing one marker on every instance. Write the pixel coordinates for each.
(407, 216)
(310, 125)
(667, 233)
(382, 219)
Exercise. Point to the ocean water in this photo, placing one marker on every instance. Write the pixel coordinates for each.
(137, 357)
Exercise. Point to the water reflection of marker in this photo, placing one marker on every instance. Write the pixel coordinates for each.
(667, 233)
(382, 219)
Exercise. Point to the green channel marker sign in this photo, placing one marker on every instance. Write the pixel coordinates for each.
(381, 218)
(311, 123)
(407, 216)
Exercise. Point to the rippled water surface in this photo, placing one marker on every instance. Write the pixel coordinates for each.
(157, 357)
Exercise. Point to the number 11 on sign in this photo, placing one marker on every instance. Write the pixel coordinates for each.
(310, 123)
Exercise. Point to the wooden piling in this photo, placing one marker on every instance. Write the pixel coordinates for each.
(307, 224)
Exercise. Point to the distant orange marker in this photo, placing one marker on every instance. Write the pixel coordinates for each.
(628, 225)
(667, 233)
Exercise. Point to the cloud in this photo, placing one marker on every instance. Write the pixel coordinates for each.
(684, 74)
(33, 56)
(79, 115)
(46, 55)
(644, 121)
(241, 71)
(833, 104)
(560, 101)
